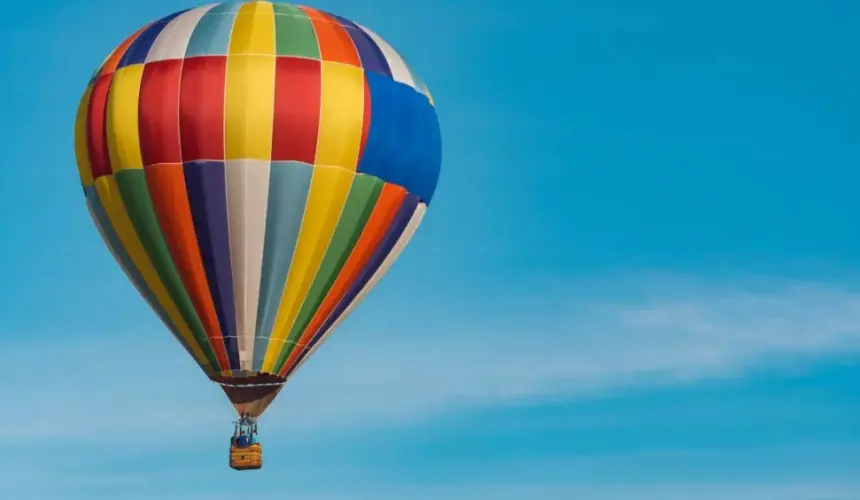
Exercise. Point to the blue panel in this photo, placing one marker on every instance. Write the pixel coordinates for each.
(428, 166)
(403, 142)
(211, 36)
(370, 54)
(289, 184)
(206, 184)
(139, 48)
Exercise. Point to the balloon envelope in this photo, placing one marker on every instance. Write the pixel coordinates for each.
(255, 168)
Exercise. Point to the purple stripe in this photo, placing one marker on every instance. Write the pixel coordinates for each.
(139, 48)
(395, 230)
(371, 55)
(206, 184)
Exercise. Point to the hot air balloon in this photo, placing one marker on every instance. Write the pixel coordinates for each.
(255, 168)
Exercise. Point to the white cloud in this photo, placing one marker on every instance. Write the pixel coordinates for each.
(668, 334)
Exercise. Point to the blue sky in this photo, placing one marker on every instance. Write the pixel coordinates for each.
(638, 279)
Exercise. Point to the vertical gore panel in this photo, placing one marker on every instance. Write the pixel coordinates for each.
(201, 108)
(247, 198)
(82, 154)
(140, 47)
(394, 237)
(166, 184)
(118, 250)
(359, 204)
(159, 112)
(386, 208)
(254, 30)
(371, 56)
(96, 133)
(328, 192)
(399, 71)
(297, 109)
(335, 44)
(172, 42)
(207, 197)
(133, 188)
(365, 122)
(249, 107)
(341, 116)
(112, 62)
(121, 120)
(294, 33)
(289, 184)
(211, 36)
(115, 209)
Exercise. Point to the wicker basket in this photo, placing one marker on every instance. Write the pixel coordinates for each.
(246, 458)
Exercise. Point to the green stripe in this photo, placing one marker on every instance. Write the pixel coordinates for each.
(359, 205)
(294, 33)
(135, 195)
(114, 243)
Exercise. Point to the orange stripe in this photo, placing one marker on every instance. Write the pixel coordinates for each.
(387, 204)
(167, 190)
(113, 61)
(335, 43)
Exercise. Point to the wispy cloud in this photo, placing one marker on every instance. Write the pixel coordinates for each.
(791, 491)
(654, 475)
(568, 479)
(803, 491)
(669, 334)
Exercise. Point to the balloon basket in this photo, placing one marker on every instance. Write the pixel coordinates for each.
(246, 457)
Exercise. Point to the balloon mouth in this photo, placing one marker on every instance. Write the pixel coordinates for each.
(255, 380)
(250, 395)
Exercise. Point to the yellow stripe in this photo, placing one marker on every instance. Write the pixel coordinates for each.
(254, 29)
(341, 115)
(122, 114)
(114, 206)
(328, 192)
(128, 275)
(82, 152)
(387, 262)
(250, 105)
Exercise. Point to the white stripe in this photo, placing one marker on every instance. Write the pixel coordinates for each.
(392, 256)
(420, 86)
(399, 71)
(247, 203)
(173, 40)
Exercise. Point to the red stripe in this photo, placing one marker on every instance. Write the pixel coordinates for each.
(297, 109)
(335, 43)
(96, 127)
(201, 108)
(159, 112)
(169, 197)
